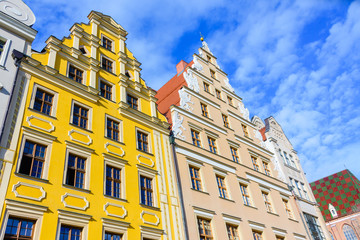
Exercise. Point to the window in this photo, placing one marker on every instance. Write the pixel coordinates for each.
(287, 159)
(314, 227)
(282, 156)
(195, 178)
(146, 191)
(206, 87)
(107, 43)
(212, 73)
(2, 45)
(107, 64)
(349, 232)
(245, 194)
(204, 229)
(244, 128)
(297, 184)
(232, 232)
(234, 154)
(43, 101)
(230, 101)
(266, 168)
(195, 138)
(112, 129)
(132, 101)
(212, 145)
(112, 236)
(142, 141)
(80, 116)
(287, 209)
(292, 161)
(33, 159)
(106, 90)
(18, 228)
(304, 191)
(75, 175)
(218, 94)
(255, 164)
(4, 49)
(113, 181)
(204, 110)
(70, 233)
(257, 235)
(279, 238)
(267, 202)
(225, 120)
(208, 58)
(221, 186)
(75, 74)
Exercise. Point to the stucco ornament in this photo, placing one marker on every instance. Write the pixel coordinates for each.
(277, 168)
(196, 64)
(259, 136)
(244, 111)
(227, 84)
(206, 47)
(185, 99)
(191, 81)
(18, 10)
(177, 127)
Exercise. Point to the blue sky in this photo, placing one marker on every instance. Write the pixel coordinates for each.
(298, 61)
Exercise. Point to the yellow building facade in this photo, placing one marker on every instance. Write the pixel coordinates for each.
(93, 159)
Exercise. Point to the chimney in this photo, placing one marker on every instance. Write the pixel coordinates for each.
(180, 66)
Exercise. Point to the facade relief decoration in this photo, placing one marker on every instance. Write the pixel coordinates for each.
(197, 64)
(185, 99)
(191, 81)
(18, 10)
(259, 136)
(281, 175)
(244, 111)
(178, 126)
(227, 84)
(206, 47)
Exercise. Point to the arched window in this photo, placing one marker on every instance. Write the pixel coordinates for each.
(349, 232)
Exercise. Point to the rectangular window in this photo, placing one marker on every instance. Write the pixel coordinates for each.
(244, 128)
(195, 138)
(80, 116)
(255, 164)
(287, 159)
(208, 58)
(112, 236)
(232, 232)
(146, 189)
(33, 159)
(212, 73)
(234, 154)
(287, 209)
(105, 90)
(204, 110)
(266, 168)
(313, 225)
(304, 191)
(112, 129)
(297, 184)
(221, 186)
(257, 235)
(212, 145)
(107, 43)
(195, 178)
(245, 195)
(43, 101)
(75, 175)
(113, 181)
(218, 94)
(2, 45)
(70, 233)
(225, 121)
(293, 164)
(230, 101)
(107, 64)
(204, 229)
(267, 202)
(206, 87)
(132, 101)
(142, 141)
(76, 74)
(18, 228)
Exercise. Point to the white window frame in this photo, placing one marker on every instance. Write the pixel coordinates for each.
(223, 174)
(41, 138)
(115, 226)
(89, 124)
(113, 97)
(199, 165)
(150, 233)
(111, 40)
(84, 79)
(136, 95)
(73, 219)
(5, 51)
(121, 135)
(117, 163)
(204, 214)
(113, 64)
(54, 102)
(149, 173)
(137, 129)
(72, 148)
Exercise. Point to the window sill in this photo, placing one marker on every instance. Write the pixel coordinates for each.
(233, 106)
(31, 178)
(150, 207)
(248, 138)
(250, 206)
(107, 49)
(227, 199)
(200, 191)
(108, 71)
(71, 124)
(208, 118)
(43, 114)
(115, 141)
(75, 188)
(148, 153)
(115, 198)
(272, 213)
(110, 100)
(294, 220)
